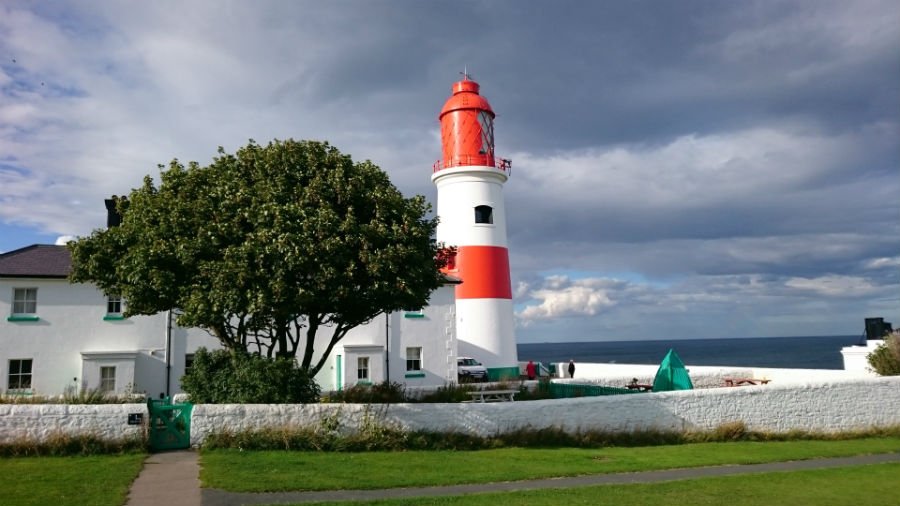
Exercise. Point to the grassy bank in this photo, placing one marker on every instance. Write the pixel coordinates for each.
(874, 485)
(99, 480)
(268, 471)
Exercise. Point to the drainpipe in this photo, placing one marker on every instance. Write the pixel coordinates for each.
(168, 350)
(387, 347)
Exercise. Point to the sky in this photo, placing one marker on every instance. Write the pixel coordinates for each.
(689, 169)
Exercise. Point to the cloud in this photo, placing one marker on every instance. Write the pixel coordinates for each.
(833, 286)
(738, 161)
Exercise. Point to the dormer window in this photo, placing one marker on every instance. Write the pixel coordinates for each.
(484, 214)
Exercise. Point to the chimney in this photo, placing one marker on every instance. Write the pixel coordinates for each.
(113, 218)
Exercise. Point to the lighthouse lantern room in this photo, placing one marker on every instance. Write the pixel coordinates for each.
(469, 180)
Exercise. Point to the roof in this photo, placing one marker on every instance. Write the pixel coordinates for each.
(36, 261)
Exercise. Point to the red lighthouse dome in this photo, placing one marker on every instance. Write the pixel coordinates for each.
(467, 127)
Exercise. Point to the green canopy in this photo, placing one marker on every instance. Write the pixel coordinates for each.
(672, 375)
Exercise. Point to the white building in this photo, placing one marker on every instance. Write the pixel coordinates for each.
(56, 335)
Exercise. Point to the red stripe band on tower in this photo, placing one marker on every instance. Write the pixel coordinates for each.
(484, 271)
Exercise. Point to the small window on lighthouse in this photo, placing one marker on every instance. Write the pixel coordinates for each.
(484, 214)
(487, 133)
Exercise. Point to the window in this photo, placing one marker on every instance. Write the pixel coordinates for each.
(484, 214)
(487, 133)
(114, 305)
(362, 368)
(19, 374)
(414, 359)
(24, 301)
(188, 362)
(108, 379)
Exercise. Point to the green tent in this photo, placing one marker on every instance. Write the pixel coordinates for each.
(672, 375)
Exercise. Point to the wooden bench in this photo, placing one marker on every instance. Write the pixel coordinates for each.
(736, 382)
(493, 395)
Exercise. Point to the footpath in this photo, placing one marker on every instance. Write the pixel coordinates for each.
(173, 479)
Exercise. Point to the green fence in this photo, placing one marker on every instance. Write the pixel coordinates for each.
(565, 390)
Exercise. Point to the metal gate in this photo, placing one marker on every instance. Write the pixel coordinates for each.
(170, 425)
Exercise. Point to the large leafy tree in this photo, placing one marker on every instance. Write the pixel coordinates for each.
(268, 249)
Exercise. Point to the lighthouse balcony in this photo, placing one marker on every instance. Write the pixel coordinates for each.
(502, 164)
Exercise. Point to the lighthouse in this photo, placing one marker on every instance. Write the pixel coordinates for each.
(469, 179)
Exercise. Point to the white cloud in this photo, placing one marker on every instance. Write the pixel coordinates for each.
(64, 239)
(833, 286)
(883, 262)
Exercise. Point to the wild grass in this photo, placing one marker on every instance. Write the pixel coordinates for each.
(330, 435)
(60, 444)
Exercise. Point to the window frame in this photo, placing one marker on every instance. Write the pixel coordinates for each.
(484, 212)
(105, 379)
(413, 363)
(24, 302)
(362, 368)
(19, 375)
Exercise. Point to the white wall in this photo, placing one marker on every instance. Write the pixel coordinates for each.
(702, 376)
(71, 323)
(37, 422)
(814, 406)
(826, 406)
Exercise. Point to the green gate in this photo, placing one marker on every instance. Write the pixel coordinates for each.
(170, 425)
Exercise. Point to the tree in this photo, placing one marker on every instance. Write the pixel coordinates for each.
(885, 359)
(266, 247)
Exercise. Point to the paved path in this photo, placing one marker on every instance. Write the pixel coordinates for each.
(184, 489)
(168, 479)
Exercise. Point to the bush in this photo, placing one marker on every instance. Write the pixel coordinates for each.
(386, 392)
(885, 360)
(225, 377)
(449, 393)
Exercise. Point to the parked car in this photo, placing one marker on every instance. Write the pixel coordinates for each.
(469, 370)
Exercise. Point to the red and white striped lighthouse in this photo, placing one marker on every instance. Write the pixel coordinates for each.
(469, 180)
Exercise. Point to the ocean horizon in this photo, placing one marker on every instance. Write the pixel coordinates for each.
(803, 352)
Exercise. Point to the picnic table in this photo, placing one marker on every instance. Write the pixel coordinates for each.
(493, 395)
(736, 382)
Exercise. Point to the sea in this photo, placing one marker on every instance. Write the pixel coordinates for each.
(810, 352)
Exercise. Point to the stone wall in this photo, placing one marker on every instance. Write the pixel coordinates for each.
(827, 406)
(38, 422)
(820, 406)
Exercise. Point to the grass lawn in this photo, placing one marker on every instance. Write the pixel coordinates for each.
(874, 485)
(269, 471)
(99, 480)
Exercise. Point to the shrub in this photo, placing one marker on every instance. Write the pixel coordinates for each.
(885, 360)
(386, 392)
(222, 377)
(449, 393)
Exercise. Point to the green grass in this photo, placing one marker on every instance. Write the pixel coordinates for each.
(874, 485)
(71, 481)
(270, 471)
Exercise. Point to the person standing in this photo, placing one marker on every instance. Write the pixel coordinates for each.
(530, 370)
(572, 368)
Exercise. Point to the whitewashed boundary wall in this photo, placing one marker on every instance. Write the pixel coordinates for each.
(828, 406)
(821, 406)
(39, 422)
(704, 376)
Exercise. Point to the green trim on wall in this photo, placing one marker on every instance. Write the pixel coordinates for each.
(23, 318)
(414, 375)
(340, 373)
(502, 373)
(414, 315)
(110, 317)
